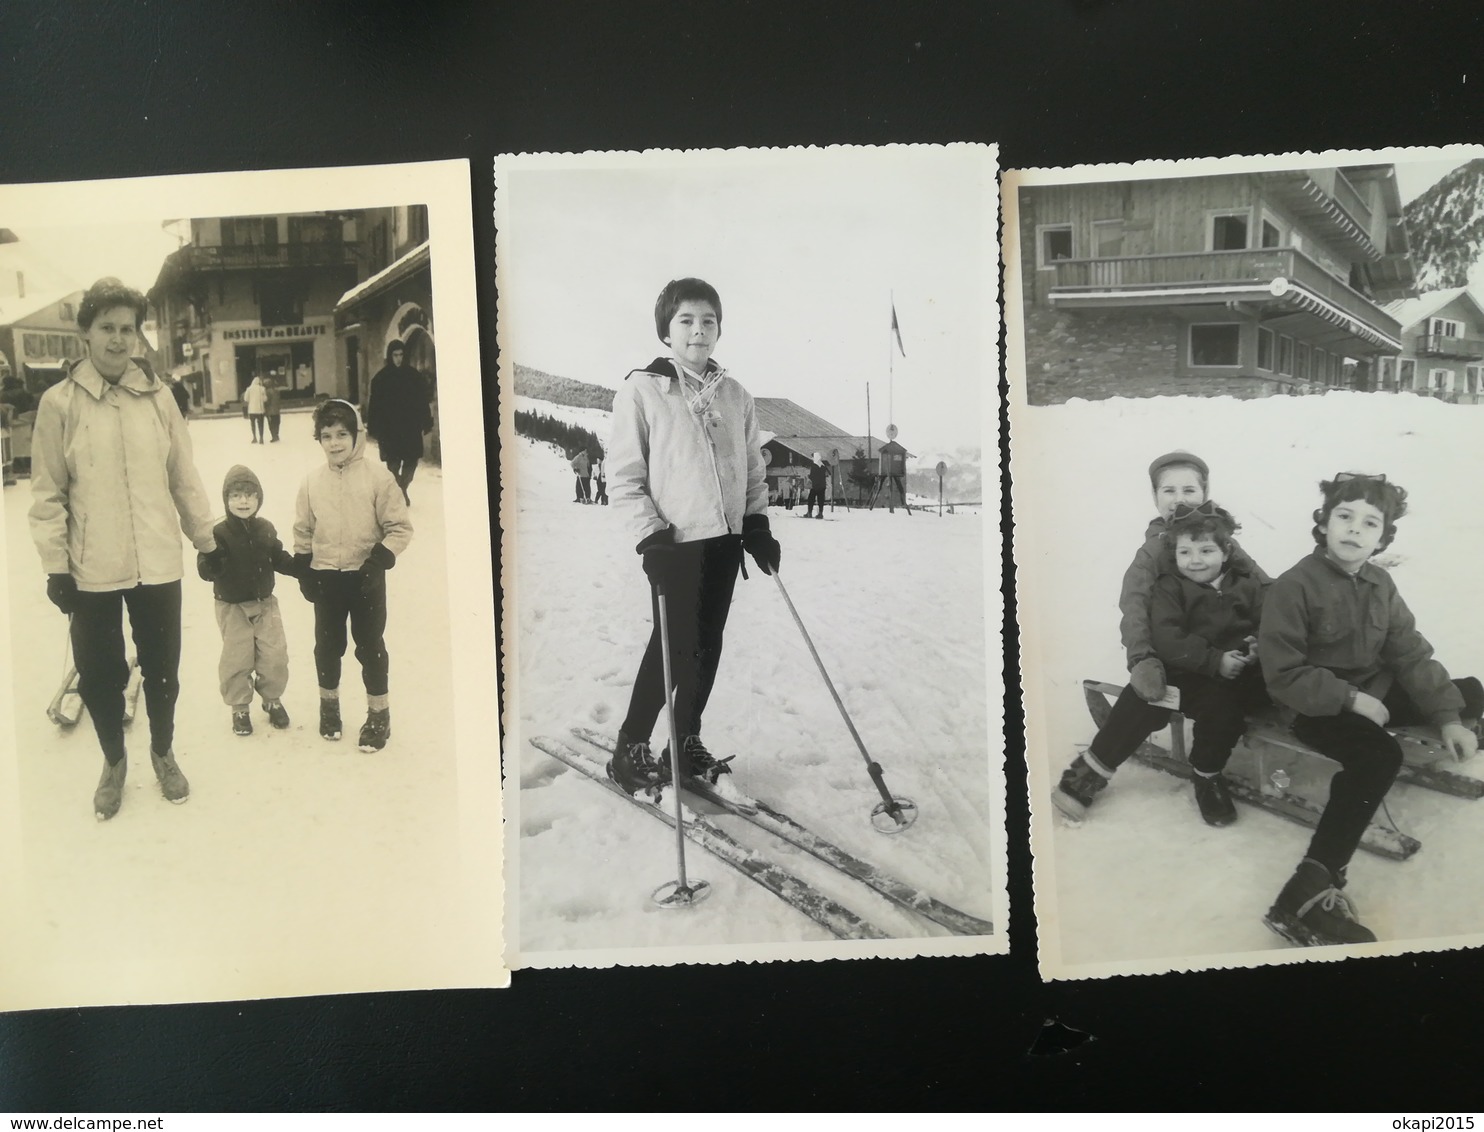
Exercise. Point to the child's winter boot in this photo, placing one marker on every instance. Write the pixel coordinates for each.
(241, 721)
(329, 717)
(173, 784)
(277, 716)
(110, 792)
(1214, 799)
(376, 730)
(633, 767)
(1080, 784)
(1311, 911)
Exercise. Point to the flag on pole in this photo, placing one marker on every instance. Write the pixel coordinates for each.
(897, 330)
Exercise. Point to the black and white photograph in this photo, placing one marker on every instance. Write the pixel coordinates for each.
(749, 425)
(246, 726)
(1250, 666)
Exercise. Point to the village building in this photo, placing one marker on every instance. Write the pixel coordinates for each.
(39, 342)
(1442, 347)
(255, 296)
(792, 436)
(1240, 284)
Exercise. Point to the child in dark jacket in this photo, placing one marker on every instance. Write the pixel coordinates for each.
(248, 552)
(1205, 611)
(1342, 653)
(1175, 478)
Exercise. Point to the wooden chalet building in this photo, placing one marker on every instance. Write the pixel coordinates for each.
(796, 434)
(1243, 284)
(1442, 350)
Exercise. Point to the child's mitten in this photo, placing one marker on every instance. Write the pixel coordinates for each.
(758, 541)
(380, 558)
(660, 554)
(1148, 679)
(61, 591)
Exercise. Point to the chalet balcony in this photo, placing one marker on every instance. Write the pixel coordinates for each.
(1446, 346)
(198, 257)
(1259, 277)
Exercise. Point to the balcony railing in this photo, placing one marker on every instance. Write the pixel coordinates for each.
(200, 257)
(1446, 346)
(1352, 202)
(1204, 269)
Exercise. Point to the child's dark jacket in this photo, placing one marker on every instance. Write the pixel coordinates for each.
(1149, 562)
(248, 551)
(1193, 623)
(1325, 631)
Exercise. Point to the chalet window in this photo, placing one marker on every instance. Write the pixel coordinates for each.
(67, 312)
(310, 229)
(1386, 373)
(71, 347)
(1301, 362)
(1107, 238)
(1285, 354)
(55, 346)
(280, 303)
(1264, 349)
(1406, 373)
(1215, 344)
(1054, 242)
(250, 232)
(1441, 380)
(1321, 367)
(1471, 379)
(1272, 235)
(1445, 327)
(1228, 231)
(35, 345)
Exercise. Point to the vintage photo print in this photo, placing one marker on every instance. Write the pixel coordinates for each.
(750, 391)
(248, 619)
(1245, 399)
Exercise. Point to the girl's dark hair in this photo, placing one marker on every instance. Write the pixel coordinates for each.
(677, 291)
(1219, 527)
(336, 412)
(106, 294)
(1388, 498)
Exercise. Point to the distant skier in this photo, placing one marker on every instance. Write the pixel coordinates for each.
(350, 525)
(819, 476)
(582, 469)
(1205, 616)
(1341, 650)
(1175, 478)
(255, 653)
(686, 470)
(600, 482)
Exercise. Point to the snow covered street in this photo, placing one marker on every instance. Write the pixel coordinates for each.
(297, 865)
(1143, 883)
(895, 605)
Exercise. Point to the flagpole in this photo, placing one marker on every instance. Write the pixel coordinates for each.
(890, 359)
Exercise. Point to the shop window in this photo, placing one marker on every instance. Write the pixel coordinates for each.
(1215, 344)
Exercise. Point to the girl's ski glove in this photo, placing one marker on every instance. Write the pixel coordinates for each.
(758, 541)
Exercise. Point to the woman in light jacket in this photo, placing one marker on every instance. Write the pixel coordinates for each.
(113, 486)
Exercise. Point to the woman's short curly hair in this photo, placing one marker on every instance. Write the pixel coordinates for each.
(1388, 498)
(106, 294)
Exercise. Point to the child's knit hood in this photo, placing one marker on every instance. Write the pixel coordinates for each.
(242, 477)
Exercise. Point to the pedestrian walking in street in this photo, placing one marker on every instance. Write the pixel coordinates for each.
(273, 405)
(350, 525)
(398, 415)
(114, 484)
(256, 399)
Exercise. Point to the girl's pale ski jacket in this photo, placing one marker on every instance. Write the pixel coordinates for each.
(114, 483)
(698, 469)
(343, 512)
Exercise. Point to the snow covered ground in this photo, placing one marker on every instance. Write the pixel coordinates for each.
(1143, 883)
(895, 605)
(297, 866)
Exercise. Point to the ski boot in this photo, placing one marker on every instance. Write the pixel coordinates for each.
(1080, 784)
(712, 773)
(173, 784)
(110, 792)
(241, 721)
(1214, 799)
(376, 730)
(1311, 911)
(329, 718)
(633, 768)
(276, 714)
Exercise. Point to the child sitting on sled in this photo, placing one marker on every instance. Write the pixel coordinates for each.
(686, 473)
(1204, 614)
(1341, 651)
(1175, 478)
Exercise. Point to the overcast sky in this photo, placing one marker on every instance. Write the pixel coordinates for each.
(806, 250)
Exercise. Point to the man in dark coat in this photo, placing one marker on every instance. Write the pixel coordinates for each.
(398, 415)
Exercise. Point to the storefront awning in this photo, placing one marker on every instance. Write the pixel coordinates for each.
(419, 258)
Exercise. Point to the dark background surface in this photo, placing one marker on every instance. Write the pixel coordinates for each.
(93, 89)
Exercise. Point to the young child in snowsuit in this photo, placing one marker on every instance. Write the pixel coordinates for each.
(1342, 653)
(686, 470)
(1204, 617)
(1175, 478)
(350, 525)
(255, 654)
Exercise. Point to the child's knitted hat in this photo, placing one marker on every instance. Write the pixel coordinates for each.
(1178, 456)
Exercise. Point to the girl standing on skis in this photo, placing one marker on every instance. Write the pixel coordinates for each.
(1341, 650)
(685, 467)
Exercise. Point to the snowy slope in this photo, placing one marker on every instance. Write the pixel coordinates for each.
(296, 866)
(1143, 879)
(895, 606)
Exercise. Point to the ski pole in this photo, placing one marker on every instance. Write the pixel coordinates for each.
(679, 891)
(902, 811)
